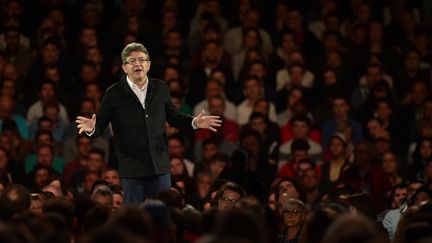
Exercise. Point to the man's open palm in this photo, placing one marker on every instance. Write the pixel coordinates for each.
(86, 124)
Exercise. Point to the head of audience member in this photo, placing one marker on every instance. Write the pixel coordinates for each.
(252, 88)
(50, 51)
(203, 183)
(363, 155)
(419, 91)
(299, 149)
(340, 107)
(210, 147)
(8, 87)
(103, 195)
(65, 208)
(96, 160)
(211, 53)
(258, 123)
(423, 150)
(45, 155)
(14, 200)
(262, 106)
(37, 203)
(218, 163)
(88, 72)
(7, 106)
(217, 105)
(177, 167)
(176, 145)
(110, 175)
(294, 20)
(301, 126)
(310, 179)
(290, 188)
(228, 194)
(90, 178)
(293, 214)
(213, 88)
(118, 196)
(337, 146)
(350, 228)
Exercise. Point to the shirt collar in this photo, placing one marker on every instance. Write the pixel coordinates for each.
(134, 86)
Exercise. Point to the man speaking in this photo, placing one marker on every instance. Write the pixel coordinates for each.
(138, 107)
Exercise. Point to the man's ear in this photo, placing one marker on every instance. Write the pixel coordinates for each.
(124, 68)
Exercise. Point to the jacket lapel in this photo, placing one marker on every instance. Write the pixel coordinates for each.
(128, 93)
(151, 90)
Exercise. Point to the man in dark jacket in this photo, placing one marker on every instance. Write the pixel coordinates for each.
(138, 108)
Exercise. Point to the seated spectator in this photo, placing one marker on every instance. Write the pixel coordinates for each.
(111, 176)
(293, 217)
(228, 194)
(229, 128)
(46, 93)
(102, 194)
(84, 144)
(177, 147)
(301, 126)
(7, 111)
(44, 154)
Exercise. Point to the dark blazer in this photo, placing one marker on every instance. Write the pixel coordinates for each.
(139, 132)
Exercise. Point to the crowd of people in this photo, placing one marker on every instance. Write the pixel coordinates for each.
(326, 110)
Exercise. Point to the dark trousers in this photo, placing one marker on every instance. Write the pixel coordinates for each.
(136, 190)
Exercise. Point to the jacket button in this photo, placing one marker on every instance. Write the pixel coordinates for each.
(146, 115)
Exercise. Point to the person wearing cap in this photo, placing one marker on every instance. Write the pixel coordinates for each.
(333, 168)
(138, 107)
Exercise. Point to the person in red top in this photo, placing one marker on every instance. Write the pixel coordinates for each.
(300, 161)
(229, 128)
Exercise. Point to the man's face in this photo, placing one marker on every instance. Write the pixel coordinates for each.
(211, 53)
(340, 108)
(213, 89)
(173, 40)
(373, 74)
(175, 147)
(46, 92)
(253, 89)
(45, 156)
(259, 125)
(399, 196)
(289, 188)
(137, 65)
(95, 162)
(310, 179)
(84, 146)
(50, 53)
(228, 199)
(106, 200)
(301, 129)
(111, 176)
(117, 201)
(12, 40)
(216, 107)
(209, 150)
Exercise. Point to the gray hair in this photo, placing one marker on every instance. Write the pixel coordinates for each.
(138, 47)
(294, 203)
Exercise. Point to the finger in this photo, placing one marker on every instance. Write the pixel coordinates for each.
(212, 117)
(93, 117)
(212, 129)
(82, 118)
(80, 131)
(216, 121)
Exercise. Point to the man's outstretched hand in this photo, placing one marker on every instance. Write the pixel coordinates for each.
(207, 122)
(86, 124)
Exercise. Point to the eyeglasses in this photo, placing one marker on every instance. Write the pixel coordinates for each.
(293, 212)
(139, 60)
(227, 199)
